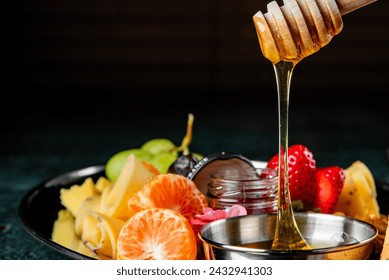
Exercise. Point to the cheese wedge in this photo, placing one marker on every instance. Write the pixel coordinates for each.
(63, 229)
(83, 220)
(102, 238)
(73, 197)
(133, 176)
(358, 198)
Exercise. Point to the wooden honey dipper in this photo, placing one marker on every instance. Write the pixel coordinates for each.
(300, 28)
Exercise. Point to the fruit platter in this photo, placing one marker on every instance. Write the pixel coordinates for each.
(148, 202)
(156, 202)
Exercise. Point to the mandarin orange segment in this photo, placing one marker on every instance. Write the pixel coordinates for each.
(170, 191)
(156, 234)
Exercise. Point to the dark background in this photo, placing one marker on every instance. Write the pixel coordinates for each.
(86, 79)
(116, 59)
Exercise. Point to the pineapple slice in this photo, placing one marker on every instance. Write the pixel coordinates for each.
(358, 198)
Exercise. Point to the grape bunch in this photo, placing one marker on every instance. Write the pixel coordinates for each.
(184, 164)
(162, 153)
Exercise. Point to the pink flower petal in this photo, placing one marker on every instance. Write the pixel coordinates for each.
(212, 215)
(207, 210)
(197, 222)
(236, 210)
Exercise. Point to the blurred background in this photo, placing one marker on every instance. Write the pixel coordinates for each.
(125, 71)
(122, 72)
(85, 79)
(200, 49)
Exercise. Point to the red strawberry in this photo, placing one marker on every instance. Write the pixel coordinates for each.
(301, 174)
(330, 181)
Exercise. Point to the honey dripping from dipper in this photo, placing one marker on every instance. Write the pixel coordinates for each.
(286, 35)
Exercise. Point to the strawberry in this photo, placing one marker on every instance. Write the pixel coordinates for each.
(301, 174)
(329, 182)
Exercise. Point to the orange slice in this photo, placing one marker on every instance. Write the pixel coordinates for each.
(171, 191)
(156, 234)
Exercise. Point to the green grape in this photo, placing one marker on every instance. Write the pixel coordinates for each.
(116, 162)
(163, 161)
(158, 146)
(163, 152)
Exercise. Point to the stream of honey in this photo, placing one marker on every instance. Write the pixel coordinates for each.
(286, 35)
(287, 235)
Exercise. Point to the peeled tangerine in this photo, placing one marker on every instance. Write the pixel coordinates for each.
(358, 198)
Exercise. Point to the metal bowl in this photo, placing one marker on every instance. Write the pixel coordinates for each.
(331, 236)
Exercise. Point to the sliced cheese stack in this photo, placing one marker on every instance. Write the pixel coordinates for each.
(95, 212)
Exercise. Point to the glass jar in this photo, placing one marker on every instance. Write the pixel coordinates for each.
(253, 188)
